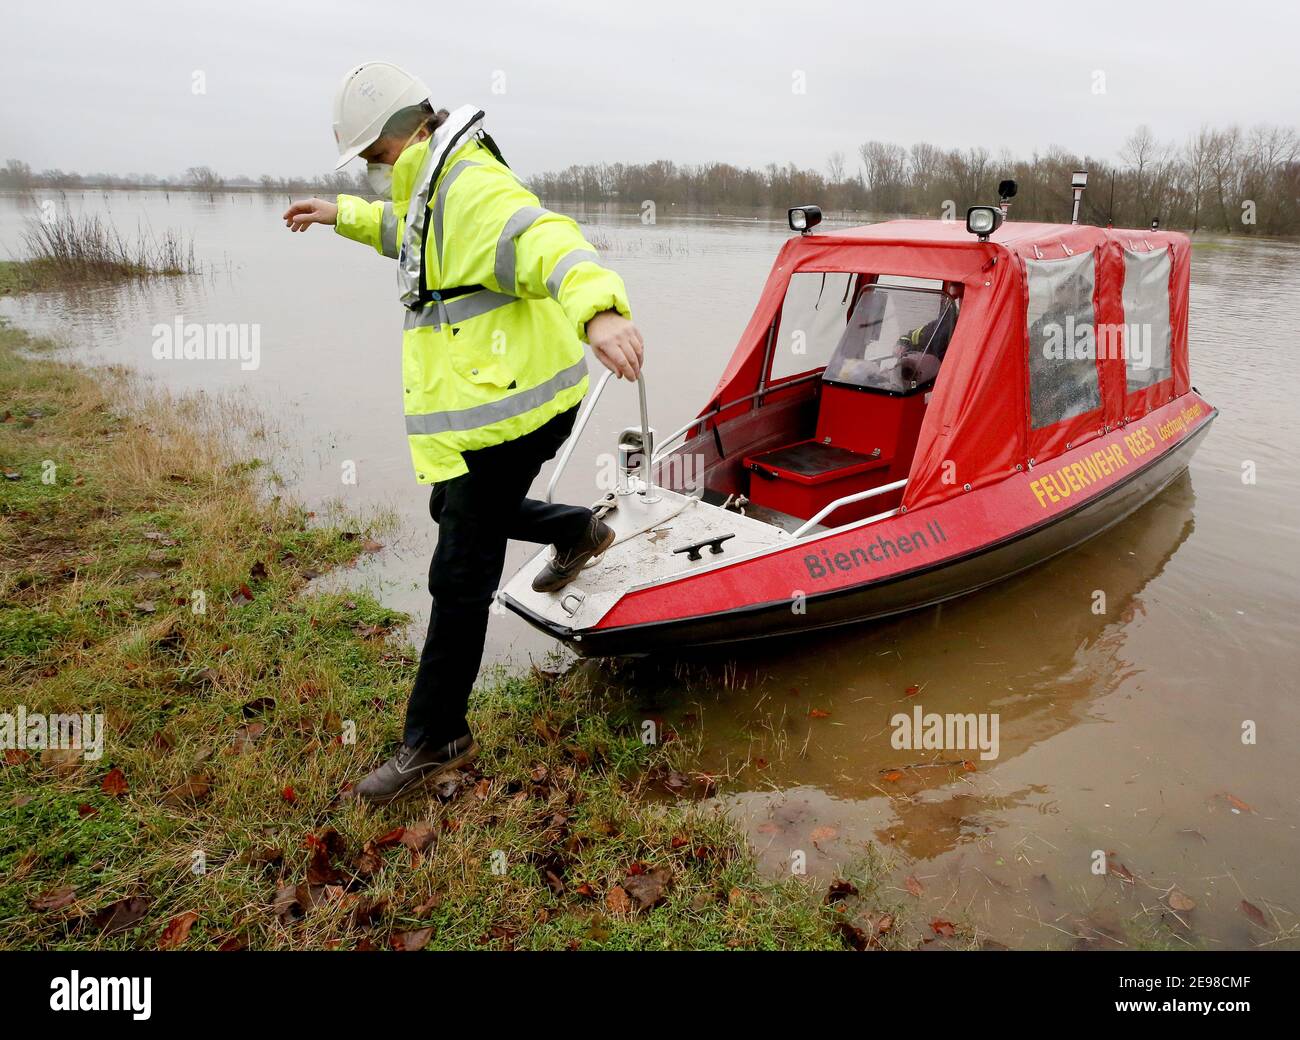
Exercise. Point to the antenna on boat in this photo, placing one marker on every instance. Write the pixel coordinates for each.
(1006, 192)
(1078, 181)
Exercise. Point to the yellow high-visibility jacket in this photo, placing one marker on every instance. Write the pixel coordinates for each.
(498, 294)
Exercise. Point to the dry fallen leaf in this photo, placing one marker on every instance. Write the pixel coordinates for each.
(418, 836)
(1237, 803)
(393, 837)
(288, 905)
(1119, 870)
(944, 928)
(258, 706)
(913, 886)
(1255, 914)
(114, 783)
(247, 736)
(193, 790)
(56, 899)
(1181, 902)
(411, 941)
(122, 915)
(430, 904)
(648, 889)
(177, 930)
(854, 936)
(617, 900)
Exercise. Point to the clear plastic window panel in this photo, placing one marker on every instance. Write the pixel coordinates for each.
(1146, 318)
(895, 339)
(1062, 339)
(813, 314)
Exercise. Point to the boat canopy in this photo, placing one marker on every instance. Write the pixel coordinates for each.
(1065, 332)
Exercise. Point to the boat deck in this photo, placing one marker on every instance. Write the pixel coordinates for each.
(648, 533)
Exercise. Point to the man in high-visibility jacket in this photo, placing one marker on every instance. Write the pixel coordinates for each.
(499, 295)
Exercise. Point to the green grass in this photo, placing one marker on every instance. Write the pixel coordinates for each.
(20, 276)
(237, 729)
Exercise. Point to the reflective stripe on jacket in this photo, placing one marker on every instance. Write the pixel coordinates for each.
(501, 352)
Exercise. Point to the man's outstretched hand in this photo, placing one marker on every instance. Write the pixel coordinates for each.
(302, 215)
(616, 343)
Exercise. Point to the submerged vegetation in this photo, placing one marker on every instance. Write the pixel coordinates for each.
(80, 249)
(147, 578)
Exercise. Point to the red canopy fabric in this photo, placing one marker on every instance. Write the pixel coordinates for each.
(977, 427)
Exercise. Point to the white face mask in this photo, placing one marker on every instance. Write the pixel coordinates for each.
(380, 176)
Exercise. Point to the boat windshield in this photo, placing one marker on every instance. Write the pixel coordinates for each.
(895, 339)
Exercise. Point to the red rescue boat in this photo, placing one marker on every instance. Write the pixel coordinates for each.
(916, 410)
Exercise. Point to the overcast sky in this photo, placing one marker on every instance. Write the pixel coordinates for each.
(92, 86)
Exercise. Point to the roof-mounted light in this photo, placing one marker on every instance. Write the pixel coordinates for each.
(804, 218)
(983, 221)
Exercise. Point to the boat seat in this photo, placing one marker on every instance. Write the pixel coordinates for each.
(813, 462)
(801, 478)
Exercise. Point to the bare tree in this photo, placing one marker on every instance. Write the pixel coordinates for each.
(204, 177)
(835, 167)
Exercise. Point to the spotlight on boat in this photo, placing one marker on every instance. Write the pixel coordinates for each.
(804, 218)
(982, 221)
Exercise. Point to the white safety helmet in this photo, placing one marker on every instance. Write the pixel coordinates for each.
(368, 97)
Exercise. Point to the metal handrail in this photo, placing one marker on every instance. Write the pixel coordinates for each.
(861, 496)
(769, 389)
(567, 451)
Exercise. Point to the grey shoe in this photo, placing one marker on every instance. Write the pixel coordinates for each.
(411, 767)
(567, 564)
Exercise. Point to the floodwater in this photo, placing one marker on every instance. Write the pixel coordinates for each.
(1119, 732)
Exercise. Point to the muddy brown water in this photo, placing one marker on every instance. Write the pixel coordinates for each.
(1119, 732)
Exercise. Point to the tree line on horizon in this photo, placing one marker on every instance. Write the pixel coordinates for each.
(17, 175)
(1245, 181)
(1230, 179)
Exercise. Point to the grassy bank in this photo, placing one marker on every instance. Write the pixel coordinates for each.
(144, 576)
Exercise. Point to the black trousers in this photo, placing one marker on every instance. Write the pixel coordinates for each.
(476, 514)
